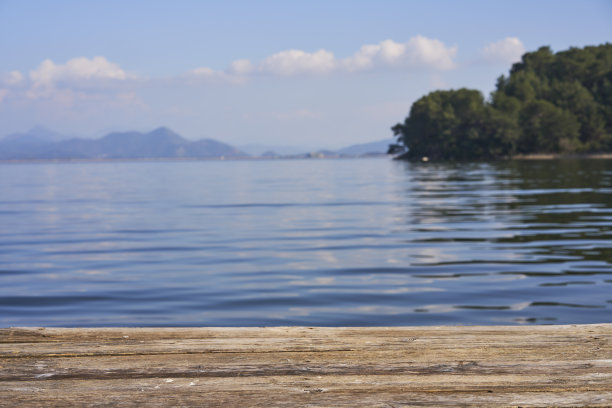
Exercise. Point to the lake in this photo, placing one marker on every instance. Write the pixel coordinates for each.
(361, 242)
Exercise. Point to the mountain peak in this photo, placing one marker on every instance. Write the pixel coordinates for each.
(159, 143)
(164, 130)
(165, 134)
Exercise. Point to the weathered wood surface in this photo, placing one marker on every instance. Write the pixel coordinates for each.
(298, 366)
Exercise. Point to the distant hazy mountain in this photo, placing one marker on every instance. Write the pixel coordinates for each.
(37, 134)
(41, 143)
(378, 147)
(256, 149)
(160, 143)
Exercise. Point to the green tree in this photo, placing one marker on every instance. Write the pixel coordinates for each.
(546, 128)
(455, 125)
(549, 103)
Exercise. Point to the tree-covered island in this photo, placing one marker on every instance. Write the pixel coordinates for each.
(558, 103)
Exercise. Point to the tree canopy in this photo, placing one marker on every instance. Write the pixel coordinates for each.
(549, 103)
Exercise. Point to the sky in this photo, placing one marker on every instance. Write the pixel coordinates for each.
(323, 74)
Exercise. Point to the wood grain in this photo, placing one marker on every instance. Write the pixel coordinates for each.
(301, 366)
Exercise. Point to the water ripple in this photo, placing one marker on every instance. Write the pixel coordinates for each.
(328, 243)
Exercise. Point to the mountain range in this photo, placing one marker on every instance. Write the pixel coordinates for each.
(159, 143)
(43, 144)
(372, 148)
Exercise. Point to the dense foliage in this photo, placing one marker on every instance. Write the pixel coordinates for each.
(550, 103)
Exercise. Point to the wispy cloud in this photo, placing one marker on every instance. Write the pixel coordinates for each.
(508, 50)
(237, 73)
(417, 53)
(88, 73)
(13, 78)
(78, 78)
(85, 86)
(49, 73)
(78, 81)
(296, 62)
(241, 67)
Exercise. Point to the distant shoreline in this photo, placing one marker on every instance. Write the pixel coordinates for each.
(186, 159)
(554, 156)
(532, 156)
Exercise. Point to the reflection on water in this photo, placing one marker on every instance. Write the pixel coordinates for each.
(333, 242)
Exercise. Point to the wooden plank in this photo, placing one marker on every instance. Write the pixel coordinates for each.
(299, 366)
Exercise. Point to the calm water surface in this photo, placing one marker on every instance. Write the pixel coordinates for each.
(305, 242)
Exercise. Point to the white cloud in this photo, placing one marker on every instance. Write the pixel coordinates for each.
(13, 78)
(204, 72)
(431, 53)
(210, 75)
(49, 73)
(77, 81)
(241, 67)
(237, 72)
(368, 56)
(3, 94)
(295, 62)
(508, 50)
(418, 52)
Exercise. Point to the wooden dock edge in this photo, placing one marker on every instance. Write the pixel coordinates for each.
(569, 365)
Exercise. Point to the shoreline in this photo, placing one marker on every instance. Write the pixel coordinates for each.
(186, 159)
(557, 156)
(531, 156)
(534, 156)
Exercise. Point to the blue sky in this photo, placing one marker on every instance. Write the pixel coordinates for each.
(317, 73)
